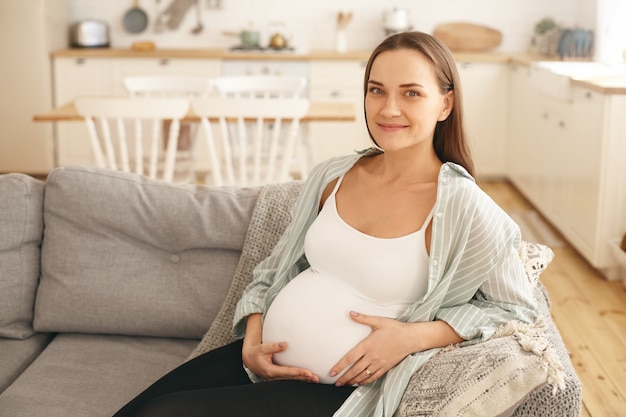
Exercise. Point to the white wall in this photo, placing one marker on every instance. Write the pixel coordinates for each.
(312, 22)
(611, 31)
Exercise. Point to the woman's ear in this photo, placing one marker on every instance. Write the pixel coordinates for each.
(448, 105)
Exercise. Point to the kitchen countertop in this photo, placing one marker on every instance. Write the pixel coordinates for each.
(605, 85)
(226, 54)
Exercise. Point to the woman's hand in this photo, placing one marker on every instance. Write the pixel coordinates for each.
(387, 345)
(257, 356)
(383, 349)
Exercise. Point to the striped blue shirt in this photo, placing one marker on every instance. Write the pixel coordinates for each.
(476, 278)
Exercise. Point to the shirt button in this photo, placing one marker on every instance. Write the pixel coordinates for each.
(358, 394)
(440, 214)
(435, 262)
(175, 258)
(444, 179)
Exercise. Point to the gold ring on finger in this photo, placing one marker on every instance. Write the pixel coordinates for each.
(368, 372)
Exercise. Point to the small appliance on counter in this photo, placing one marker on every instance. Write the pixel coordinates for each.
(396, 21)
(89, 33)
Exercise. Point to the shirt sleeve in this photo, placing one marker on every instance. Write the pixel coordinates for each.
(504, 294)
(478, 246)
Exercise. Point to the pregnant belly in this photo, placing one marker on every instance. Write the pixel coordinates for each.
(312, 314)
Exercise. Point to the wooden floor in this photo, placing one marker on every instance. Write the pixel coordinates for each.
(590, 313)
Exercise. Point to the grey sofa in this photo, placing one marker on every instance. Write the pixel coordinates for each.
(108, 280)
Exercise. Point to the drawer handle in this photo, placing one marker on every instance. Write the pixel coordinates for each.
(335, 94)
(80, 61)
(163, 62)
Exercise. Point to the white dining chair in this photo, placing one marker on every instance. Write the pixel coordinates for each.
(250, 141)
(168, 86)
(181, 86)
(271, 87)
(261, 86)
(114, 123)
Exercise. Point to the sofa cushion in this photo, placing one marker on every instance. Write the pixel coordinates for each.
(123, 254)
(91, 375)
(21, 227)
(17, 354)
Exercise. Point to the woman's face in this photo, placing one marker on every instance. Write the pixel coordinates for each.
(403, 102)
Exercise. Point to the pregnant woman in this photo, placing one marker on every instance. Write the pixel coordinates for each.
(392, 253)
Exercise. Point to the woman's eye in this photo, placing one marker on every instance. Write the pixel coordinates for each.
(412, 93)
(376, 90)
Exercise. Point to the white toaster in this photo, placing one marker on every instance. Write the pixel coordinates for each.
(89, 34)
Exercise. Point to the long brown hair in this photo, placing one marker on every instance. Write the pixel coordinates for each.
(450, 140)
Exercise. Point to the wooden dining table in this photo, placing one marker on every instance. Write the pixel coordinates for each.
(327, 111)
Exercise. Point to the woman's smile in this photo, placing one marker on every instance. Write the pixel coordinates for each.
(391, 127)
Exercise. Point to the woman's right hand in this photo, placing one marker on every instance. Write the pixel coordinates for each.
(257, 356)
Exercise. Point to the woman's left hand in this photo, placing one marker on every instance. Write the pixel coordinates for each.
(384, 348)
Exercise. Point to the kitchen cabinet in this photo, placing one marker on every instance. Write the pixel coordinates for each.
(337, 81)
(579, 187)
(74, 77)
(484, 88)
(566, 157)
(522, 146)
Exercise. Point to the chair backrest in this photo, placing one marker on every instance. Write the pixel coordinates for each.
(256, 137)
(168, 86)
(114, 122)
(261, 86)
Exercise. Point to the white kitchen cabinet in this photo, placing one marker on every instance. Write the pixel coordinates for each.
(484, 87)
(75, 77)
(337, 81)
(522, 143)
(567, 157)
(592, 187)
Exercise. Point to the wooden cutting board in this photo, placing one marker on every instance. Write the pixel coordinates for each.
(466, 37)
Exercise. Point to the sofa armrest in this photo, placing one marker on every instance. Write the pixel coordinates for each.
(21, 230)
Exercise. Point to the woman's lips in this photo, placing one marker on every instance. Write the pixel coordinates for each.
(386, 127)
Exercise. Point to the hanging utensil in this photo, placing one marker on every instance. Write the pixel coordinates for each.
(199, 26)
(135, 19)
(159, 23)
(176, 11)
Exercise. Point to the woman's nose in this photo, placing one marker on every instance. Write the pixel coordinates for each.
(390, 108)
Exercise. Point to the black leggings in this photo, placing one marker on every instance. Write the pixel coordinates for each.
(215, 384)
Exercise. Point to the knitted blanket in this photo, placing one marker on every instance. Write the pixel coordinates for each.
(523, 371)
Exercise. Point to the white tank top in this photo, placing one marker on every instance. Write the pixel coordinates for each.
(350, 271)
